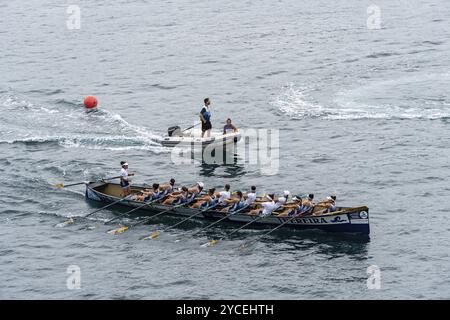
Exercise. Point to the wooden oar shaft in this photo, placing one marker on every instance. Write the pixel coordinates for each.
(62, 185)
(216, 222)
(156, 215)
(191, 216)
(245, 225)
(107, 206)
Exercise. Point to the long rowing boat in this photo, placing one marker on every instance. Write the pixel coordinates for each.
(345, 219)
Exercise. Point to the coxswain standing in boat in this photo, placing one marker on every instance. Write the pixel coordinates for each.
(124, 180)
(205, 118)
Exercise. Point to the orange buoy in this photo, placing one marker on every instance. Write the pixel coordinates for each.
(90, 102)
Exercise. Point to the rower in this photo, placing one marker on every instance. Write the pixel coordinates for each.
(197, 188)
(297, 208)
(330, 204)
(206, 200)
(178, 198)
(281, 201)
(266, 207)
(229, 127)
(251, 196)
(167, 187)
(150, 195)
(124, 180)
(224, 195)
(238, 203)
(309, 203)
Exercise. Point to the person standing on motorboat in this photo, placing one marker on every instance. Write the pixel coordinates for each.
(205, 118)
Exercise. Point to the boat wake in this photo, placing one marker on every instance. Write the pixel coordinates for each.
(412, 97)
(71, 126)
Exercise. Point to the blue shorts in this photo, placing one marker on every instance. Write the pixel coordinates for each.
(124, 184)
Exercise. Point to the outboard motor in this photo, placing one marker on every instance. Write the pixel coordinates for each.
(174, 131)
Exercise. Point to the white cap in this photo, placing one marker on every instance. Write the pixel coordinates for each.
(286, 193)
(125, 164)
(330, 198)
(200, 184)
(282, 200)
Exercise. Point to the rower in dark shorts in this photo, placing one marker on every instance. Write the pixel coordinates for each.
(205, 118)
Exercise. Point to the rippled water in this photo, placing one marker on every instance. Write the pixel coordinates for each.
(363, 113)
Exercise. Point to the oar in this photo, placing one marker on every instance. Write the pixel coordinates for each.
(128, 212)
(157, 233)
(62, 185)
(125, 228)
(221, 219)
(213, 242)
(269, 232)
(71, 220)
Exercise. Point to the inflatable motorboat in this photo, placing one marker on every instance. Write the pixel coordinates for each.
(193, 138)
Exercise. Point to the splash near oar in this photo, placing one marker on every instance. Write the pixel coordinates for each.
(125, 228)
(71, 220)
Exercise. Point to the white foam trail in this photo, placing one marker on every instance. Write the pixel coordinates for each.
(392, 99)
(75, 128)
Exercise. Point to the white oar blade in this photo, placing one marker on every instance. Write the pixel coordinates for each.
(65, 223)
(118, 230)
(210, 243)
(154, 235)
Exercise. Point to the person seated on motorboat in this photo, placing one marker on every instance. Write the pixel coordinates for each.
(205, 200)
(235, 203)
(205, 118)
(224, 195)
(150, 194)
(250, 198)
(229, 127)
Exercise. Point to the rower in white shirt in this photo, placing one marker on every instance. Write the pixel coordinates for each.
(251, 196)
(224, 195)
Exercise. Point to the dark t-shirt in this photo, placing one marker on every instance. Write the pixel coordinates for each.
(206, 114)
